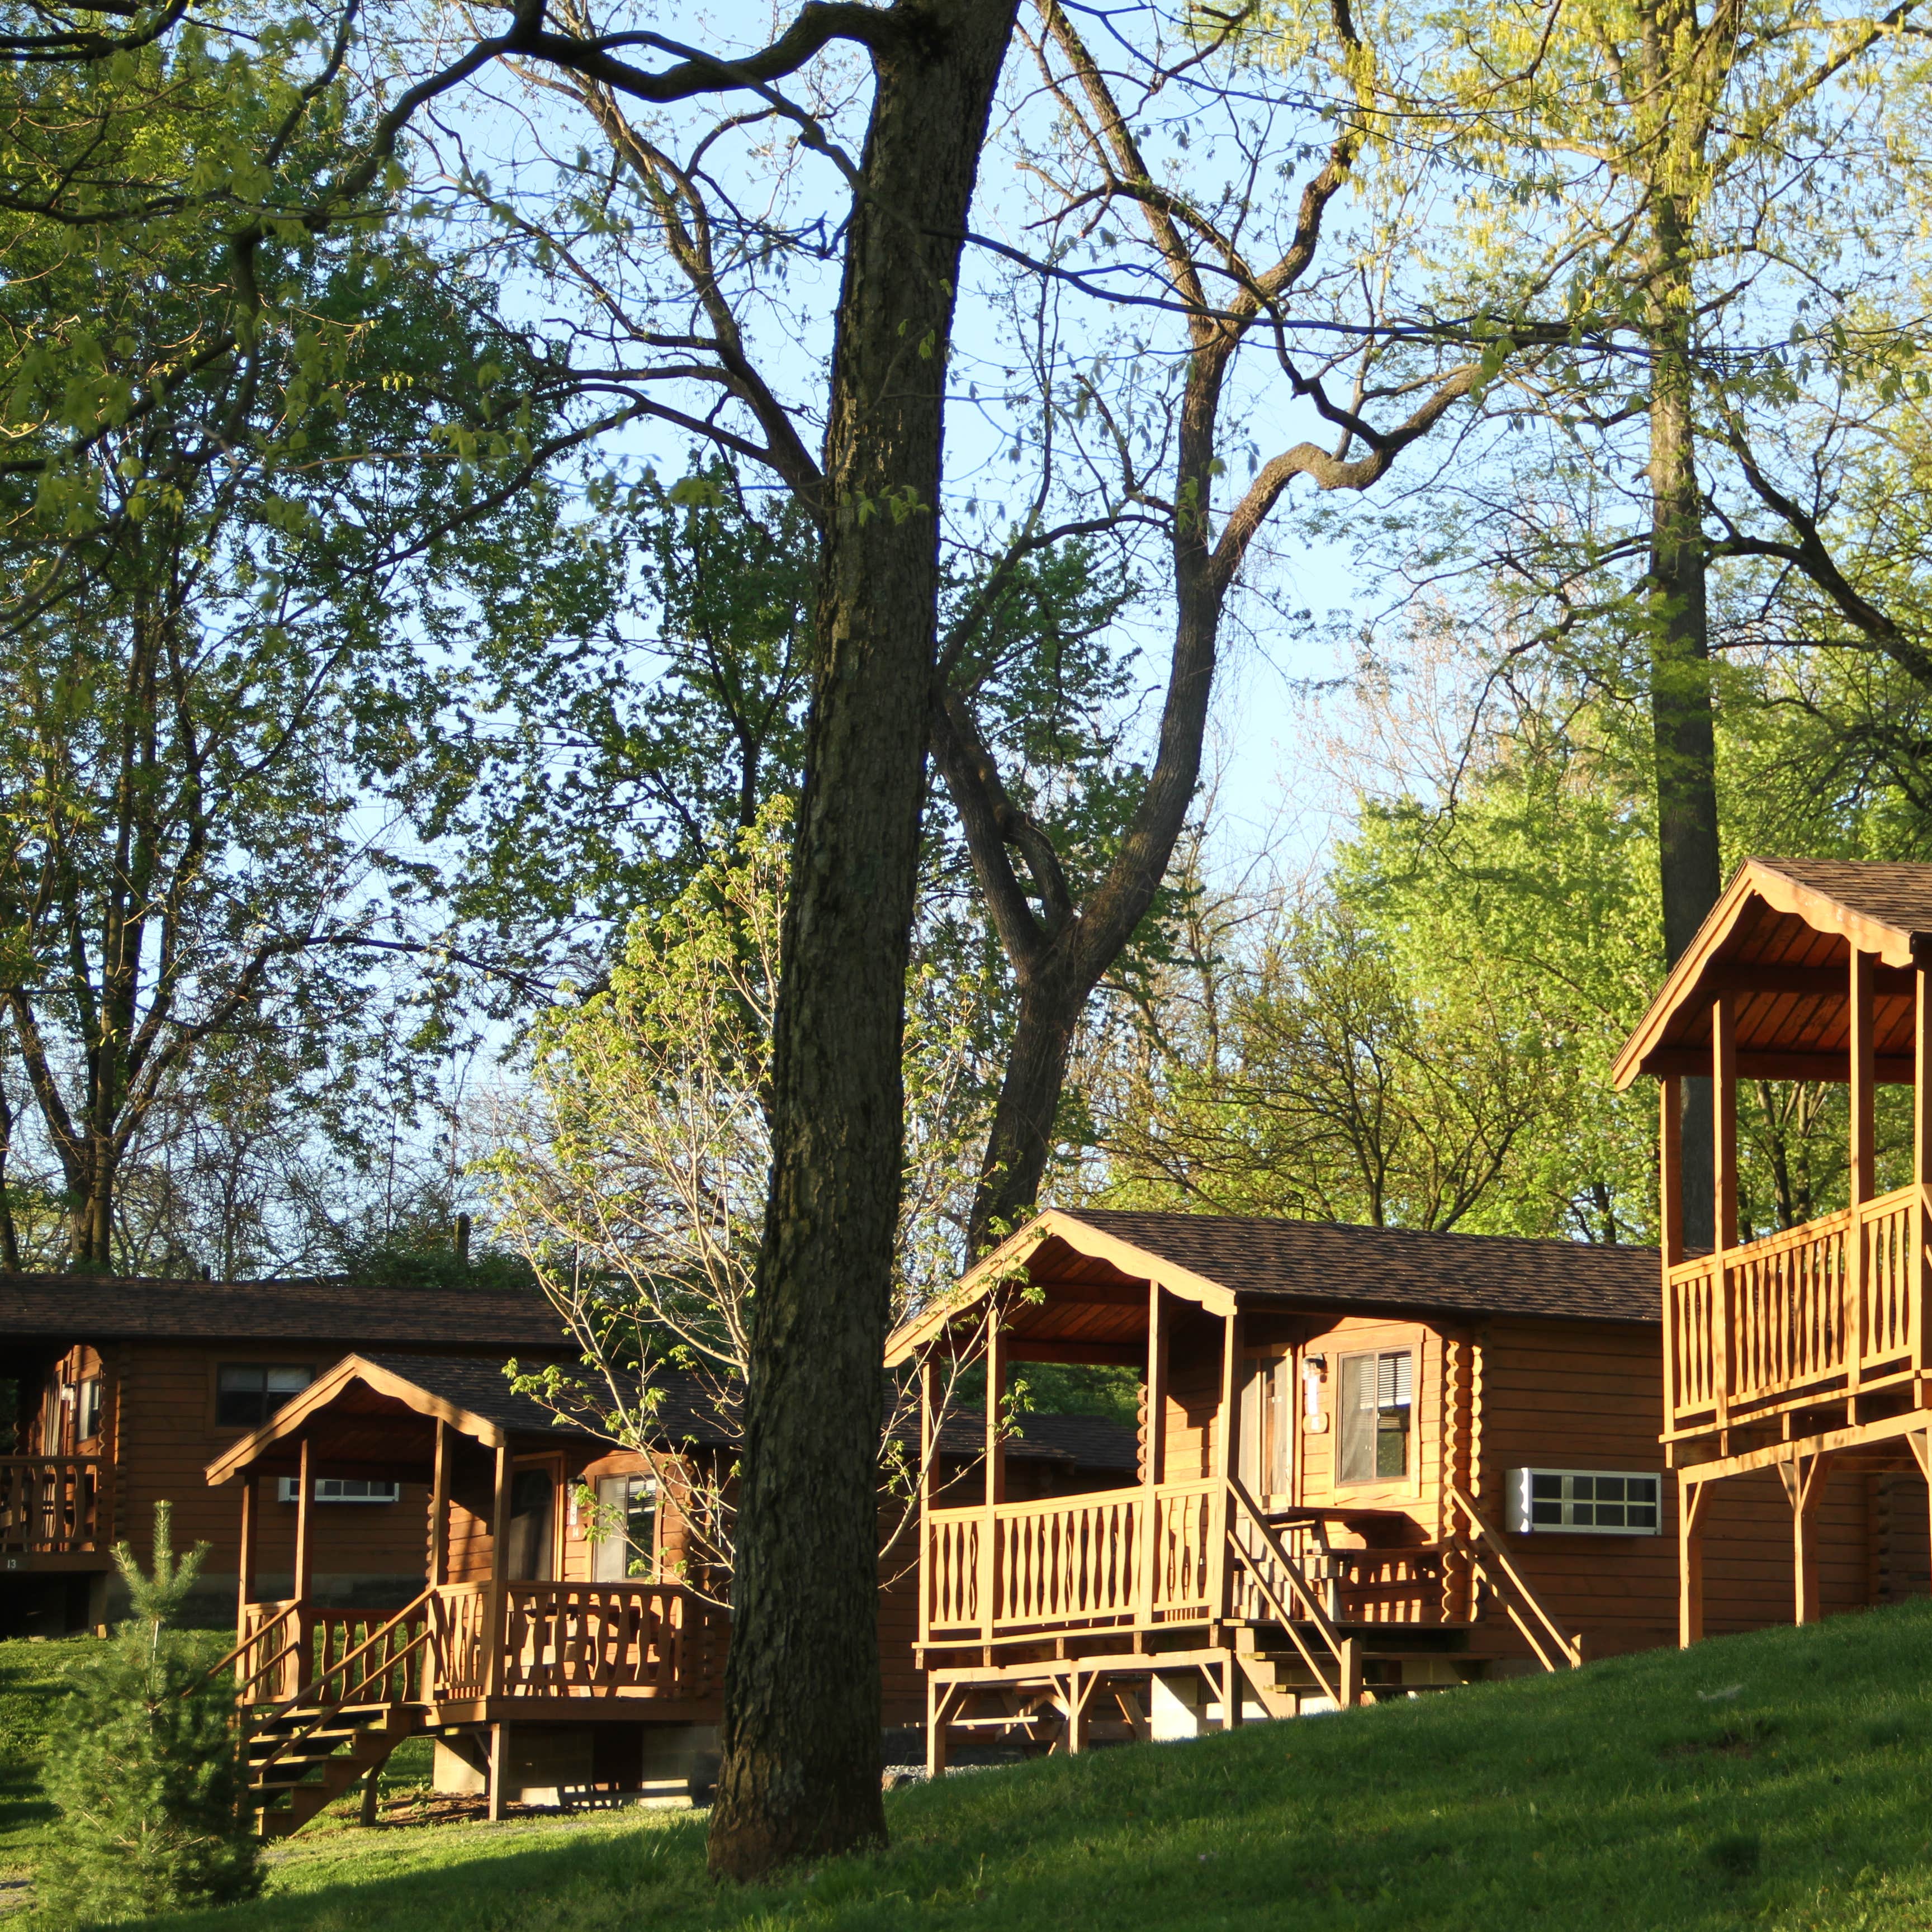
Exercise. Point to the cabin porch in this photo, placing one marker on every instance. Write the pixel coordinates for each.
(1801, 1351)
(529, 1666)
(1240, 1576)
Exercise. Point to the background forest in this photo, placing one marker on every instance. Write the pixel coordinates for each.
(403, 684)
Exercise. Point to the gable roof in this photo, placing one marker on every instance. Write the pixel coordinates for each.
(1779, 939)
(67, 1307)
(1226, 1261)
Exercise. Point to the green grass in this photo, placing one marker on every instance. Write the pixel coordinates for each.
(1781, 1781)
(30, 1683)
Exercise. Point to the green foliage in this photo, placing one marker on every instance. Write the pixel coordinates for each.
(144, 1763)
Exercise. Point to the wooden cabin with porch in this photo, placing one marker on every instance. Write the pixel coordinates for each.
(566, 1642)
(1797, 1393)
(118, 1391)
(1372, 1462)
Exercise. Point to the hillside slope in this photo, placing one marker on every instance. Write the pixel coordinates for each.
(1782, 1780)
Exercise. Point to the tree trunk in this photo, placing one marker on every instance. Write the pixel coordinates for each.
(1682, 723)
(801, 1737)
(1021, 1138)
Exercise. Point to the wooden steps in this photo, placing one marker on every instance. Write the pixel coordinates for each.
(300, 1760)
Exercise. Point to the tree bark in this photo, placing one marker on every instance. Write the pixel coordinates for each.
(1676, 104)
(801, 1737)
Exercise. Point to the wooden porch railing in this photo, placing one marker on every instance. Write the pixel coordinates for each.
(611, 1639)
(558, 1640)
(1799, 1317)
(52, 1505)
(1201, 1553)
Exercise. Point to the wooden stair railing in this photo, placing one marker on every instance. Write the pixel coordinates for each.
(306, 1730)
(1344, 1685)
(1555, 1648)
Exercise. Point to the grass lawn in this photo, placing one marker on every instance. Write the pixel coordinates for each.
(1782, 1780)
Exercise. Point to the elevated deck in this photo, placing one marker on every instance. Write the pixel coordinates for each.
(1042, 1619)
(326, 1693)
(1818, 1326)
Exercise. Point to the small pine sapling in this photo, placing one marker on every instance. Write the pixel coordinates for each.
(145, 1764)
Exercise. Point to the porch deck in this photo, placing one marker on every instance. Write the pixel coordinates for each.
(326, 1694)
(1033, 1607)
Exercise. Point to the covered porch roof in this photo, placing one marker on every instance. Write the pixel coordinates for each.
(1096, 1265)
(375, 1415)
(1780, 942)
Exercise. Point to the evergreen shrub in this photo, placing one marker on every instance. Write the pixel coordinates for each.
(145, 1764)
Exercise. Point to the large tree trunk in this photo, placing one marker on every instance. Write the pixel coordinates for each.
(1683, 725)
(800, 1774)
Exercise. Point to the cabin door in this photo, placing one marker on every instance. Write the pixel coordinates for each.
(532, 1520)
(1267, 1425)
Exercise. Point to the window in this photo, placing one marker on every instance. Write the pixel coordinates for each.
(1374, 1402)
(246, 1393)
(87, 1410)
(627, 1525)
(341, 1490)
(1615, 1502)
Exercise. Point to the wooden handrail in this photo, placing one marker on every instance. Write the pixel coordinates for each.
(294, 1701)
(1569, 1648)
(1315, 1613)
(323, 1715)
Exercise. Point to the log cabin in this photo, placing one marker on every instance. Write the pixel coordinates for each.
(120, 1390)
(1797, 1412)
(564, 1640)
(1371, 1462)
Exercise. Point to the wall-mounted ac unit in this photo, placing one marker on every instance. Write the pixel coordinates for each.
(341, 1489)
(1586, 1502)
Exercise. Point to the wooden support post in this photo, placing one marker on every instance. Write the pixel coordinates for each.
(928, 1481)
(1692, 1495)
(996, 1471)
(1921, 1167)
(1724, 1174)
(1863, 1184)
(1078, 1695)
(369, 1794)
(305, 1526)
(499, 1757)
(1227, 1464)
(1804, 1481)
(1670, 1169)
(245, 1591)
(438, 1510)
(495, 1633)
(1351, 1672)
(1232, 1682)
(941, 1702)
(1153, 1474)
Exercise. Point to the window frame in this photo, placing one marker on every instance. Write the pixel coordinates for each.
(1523, 1501)
(1411, 1460)
(265, 1370)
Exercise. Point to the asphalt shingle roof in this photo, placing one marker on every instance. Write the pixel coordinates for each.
(68, 1306)
(1398, 1267)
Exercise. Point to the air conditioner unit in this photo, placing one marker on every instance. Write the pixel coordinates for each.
(341, 1489)
(1586, 1502)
